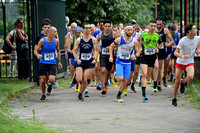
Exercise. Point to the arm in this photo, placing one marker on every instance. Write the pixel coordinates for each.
(9, 42)
(169, 37)
(58, 53)
(95, 50)
(198, 49)
(74, 51)
(112, 46)
(37, 48)
(137, 49)
(19, 34)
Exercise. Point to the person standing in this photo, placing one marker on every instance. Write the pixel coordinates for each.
(48, 45)
(185, 51)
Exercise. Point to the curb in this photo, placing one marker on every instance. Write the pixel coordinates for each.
(22, 89)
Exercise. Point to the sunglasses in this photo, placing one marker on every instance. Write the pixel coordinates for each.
(21, 22)
(78, 32)
(87, 28)
(173, 32)
(101, 25)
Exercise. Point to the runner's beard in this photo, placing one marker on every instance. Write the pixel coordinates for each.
(128, 35)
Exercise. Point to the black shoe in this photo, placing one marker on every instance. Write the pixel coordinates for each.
(80, 97)
(164, 82)
(174, 102)
(182, 89)
(99, 88)
(43, 98)
(159, 88)
(133, 89)
(49, 89)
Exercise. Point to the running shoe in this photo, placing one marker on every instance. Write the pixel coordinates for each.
(80, 97)
(104, 91)
(54, 85)
(77, 88)
(154, 90)
(119, 100)
(108, 83)
(86, 93)
(125, 92)
(145, 99)
(174, 102)
(43, 98)
(99, 86)
(182, 89)
(164, 82)
(159, 88)
(115, 84)
(133, 89)
(71, 85)
(49, 89)
(148, 81)
(93, 84)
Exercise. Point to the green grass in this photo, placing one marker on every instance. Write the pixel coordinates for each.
(12, 124)
(193, 92)
(64, 82)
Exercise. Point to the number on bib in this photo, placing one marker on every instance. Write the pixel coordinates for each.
(125, 56)
(163, 45)
(86, 56)
(149, 51)
(105, 51)
(48, 56)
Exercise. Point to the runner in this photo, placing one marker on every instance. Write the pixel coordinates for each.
(48, 45)
(164, 52)
(149, 39)
(125, 55)
(85, 57)
(106, 37)
(185, 51)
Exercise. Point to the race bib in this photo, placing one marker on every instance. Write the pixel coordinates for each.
(48, 56)
(149, 51)
(86, 56)
(125, 56)
(105, 51)
(163, 45)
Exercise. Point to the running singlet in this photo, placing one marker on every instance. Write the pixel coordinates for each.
(86, 51)
(48, 52)
(125, 50)
(176, 40)
(106, 41)
(187, 47)
(163, 49)
(149, 43)
(72, 46)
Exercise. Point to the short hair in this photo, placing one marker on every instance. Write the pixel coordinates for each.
(173, 27)
(85, 23)
(152, 21)
(188, 27)
(107, 21)
(159, 19)
(144, 26)
(114, 26)
(47, 20)
(175, 21)
(132, 22)
(45, 23)
(67, 19)
(92, 25)
(101, 20)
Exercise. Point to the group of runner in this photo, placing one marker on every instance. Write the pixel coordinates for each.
(118, 52)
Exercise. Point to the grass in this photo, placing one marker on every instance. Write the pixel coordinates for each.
(12, 124)
(193, 92)
(64, 82)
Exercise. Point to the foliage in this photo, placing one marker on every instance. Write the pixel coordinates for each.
(115, 10)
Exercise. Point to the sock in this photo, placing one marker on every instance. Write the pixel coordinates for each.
(155, 84)
(88, 81)
(158, 82)
(119, 94)
(86, 89)
(115, 79)
(144, 91)
(106, 83)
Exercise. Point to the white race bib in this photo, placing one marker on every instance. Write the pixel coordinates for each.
(149, 51)
(105, 51)
(163, 45)
(49, 56)
(125, 56)
(86, 56)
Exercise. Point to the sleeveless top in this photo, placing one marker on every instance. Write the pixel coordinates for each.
(176, 40)
(72, 46)
(125, 50)
(163, 49)
(48, 52)
(85, 51)
(106, 41)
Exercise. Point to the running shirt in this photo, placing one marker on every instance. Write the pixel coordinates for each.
(187, 47)
(125, 50)
(163, 49)
(106, 41)
(96, 33)
(86, 51)
(149, 44)
(176, 40)
(39, 37)
(48, 52)
(73, 43)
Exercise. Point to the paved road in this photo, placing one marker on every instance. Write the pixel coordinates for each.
(97, 114)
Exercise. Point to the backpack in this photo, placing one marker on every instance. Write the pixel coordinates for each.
(6, 47)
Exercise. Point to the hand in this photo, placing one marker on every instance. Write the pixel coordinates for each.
(157, 50)
(133, 57)
(111, 59)
(94, 61)
(197, 52)
(94, 57)
(59, 65)
(14, 47)
(78, 62)
(39, 56)
(66, 54)
(108, 47)
(186, 57)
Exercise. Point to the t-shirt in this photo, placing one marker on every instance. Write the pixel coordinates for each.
(187, 47)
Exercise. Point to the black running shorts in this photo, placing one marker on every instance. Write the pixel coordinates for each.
(44, 68)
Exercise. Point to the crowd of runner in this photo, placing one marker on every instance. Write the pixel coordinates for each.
(107, 53)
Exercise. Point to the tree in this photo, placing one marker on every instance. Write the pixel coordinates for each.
(115, 10)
